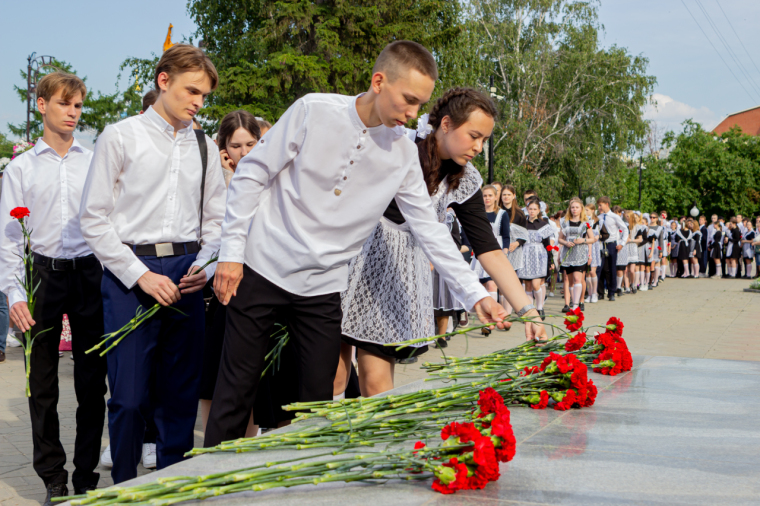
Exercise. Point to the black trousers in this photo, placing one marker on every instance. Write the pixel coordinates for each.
(608, 276)
(76, 293)
(314, 324)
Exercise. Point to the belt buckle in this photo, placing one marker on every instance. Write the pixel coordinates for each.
(52, 265)
(165, 249)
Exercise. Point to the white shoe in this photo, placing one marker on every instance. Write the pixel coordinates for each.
(587, 299)
(149, 456)
(594, 298)
(644, 288)
(550, 294)
(105, 458)
(12, 342)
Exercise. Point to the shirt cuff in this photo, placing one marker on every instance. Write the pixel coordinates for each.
(14, 296)
(475, 295)
(232, 250)
(133, 273)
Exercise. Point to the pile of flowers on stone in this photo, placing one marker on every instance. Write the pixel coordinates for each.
(368, 439)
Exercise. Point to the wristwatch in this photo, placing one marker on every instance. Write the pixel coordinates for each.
(524, 310)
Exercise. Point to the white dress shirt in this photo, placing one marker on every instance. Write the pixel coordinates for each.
(615, 227)
(51, 188)
(304, 200)
(144, 187)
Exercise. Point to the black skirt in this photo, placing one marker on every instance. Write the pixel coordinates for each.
(388, 352)
(683, 251)
(574, 268)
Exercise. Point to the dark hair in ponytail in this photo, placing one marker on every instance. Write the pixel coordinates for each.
(456, 103)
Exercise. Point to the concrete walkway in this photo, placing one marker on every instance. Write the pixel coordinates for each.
(683, 318)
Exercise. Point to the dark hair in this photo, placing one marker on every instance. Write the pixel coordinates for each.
(616, 209)
(234, 120)
(533, 201)
(403, 55)
(530, 192)
(149, 99)
(513, 211)
(457, 104)
(604, 200)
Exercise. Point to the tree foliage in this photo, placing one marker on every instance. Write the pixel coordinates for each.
(270, 53)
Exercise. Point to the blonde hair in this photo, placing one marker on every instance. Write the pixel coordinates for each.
(182, 58)
(69, 84)
(492, 188)
(591, 212)
(568, 215)
(630, 216)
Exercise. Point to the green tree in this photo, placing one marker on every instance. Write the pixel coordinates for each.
(720, 173)
(570, 109)
(270, 53)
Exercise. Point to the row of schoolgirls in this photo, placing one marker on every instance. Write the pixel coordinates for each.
(600, 249)
(327, 224)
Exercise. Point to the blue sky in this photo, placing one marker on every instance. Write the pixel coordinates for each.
(96, 36)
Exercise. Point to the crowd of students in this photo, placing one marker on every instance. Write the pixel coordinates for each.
(608, 251)
(350, 235)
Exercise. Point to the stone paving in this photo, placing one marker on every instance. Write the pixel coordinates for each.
(682, 318)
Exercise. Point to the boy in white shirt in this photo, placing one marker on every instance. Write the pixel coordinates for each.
(48, 180)
(309, 194)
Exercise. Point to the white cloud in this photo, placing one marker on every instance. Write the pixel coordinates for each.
(669, 113)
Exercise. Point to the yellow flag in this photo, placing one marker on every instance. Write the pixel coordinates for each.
(168, 42)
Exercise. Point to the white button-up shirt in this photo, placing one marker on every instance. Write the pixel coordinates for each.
(305, 199)
(144, 187)
(615, 226)
(51, 188)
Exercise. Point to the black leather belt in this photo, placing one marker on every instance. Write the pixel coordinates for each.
(63, 264)
(165, 249)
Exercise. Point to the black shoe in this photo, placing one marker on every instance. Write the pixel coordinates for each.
(55, 490)
(566, 309)
(633, 290)
(408, 360)
(2, 357)
(541, 312)
(442, 343)
(612, 298)
(619, 292)
(83, 490)
(583, 307)
(485, 332)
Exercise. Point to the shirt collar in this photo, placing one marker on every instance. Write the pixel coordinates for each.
(164, 125)
(359, 124)
(41, 146)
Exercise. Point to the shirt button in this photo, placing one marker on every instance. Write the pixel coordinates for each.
(364, 131)
(344, 178)
(352, 162)
(337, 192)
(359, 146)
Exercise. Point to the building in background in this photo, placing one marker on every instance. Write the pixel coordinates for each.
(748, 120)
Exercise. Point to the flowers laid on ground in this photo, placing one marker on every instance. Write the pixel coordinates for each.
(362, 437)
(20, 214)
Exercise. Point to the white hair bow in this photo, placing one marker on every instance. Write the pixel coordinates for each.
(423, 127)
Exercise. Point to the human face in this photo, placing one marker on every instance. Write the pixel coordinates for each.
(182, 96)
(399, 101)
(714, 218)
(702, 220)
(466, 142)
(489, 199)
(507, 197)
(61, 115)
(739, 218)
(575, 210)
(240, 143)
(673, 225)
(533, 211)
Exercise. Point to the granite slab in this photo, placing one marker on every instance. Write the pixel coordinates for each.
(672, 431)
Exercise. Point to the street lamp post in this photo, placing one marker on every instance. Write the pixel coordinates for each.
(34, 64)
(492, 91)
(640, 167)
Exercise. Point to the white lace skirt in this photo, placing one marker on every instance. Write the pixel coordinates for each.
(443, 299)
(390, 292)
(622, 256)
(534, 261)
(632, 252)
(596, 254)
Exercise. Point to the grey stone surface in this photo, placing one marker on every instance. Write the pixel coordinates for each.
(672, 431)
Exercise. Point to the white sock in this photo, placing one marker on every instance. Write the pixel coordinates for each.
(539, 300)
(620, 282)
(577, 292)
(594, 285)
(656, 276)
(647, 277)
(718, 268)
(662, 272)
(339, 397)
(494, 296)
(530, 297)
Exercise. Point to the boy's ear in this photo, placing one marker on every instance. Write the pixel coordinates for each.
(41, 105)
(378, 79)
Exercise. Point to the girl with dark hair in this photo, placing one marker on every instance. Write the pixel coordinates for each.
(595, 260)
(683, 236)
(535, 256)
(238, 133)
(518, 235)
(389, 296)
(695, 247)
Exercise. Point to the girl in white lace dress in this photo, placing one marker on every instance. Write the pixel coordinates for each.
(535, 255)
(575, 236)
(389, 296)
(596, 256)
(517, 233)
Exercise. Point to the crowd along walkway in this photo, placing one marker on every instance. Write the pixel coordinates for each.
(713, 319)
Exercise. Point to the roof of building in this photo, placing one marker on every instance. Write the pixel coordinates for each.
(748, 120)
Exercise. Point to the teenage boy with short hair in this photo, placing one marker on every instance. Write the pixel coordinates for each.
(312, 190)
(152, 216)
(48, 180)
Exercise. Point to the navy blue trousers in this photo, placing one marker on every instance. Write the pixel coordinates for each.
(155, 369)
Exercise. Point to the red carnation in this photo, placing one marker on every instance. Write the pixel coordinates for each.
(588, 225)
(465, 432)
(556, 248)
(615, 326)
(490, 401)
(576, 343)
(574, 319)
(549, 248)
(450, 477)
(19, 213)
(591, 395)
(544, 401)
(567, 401)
